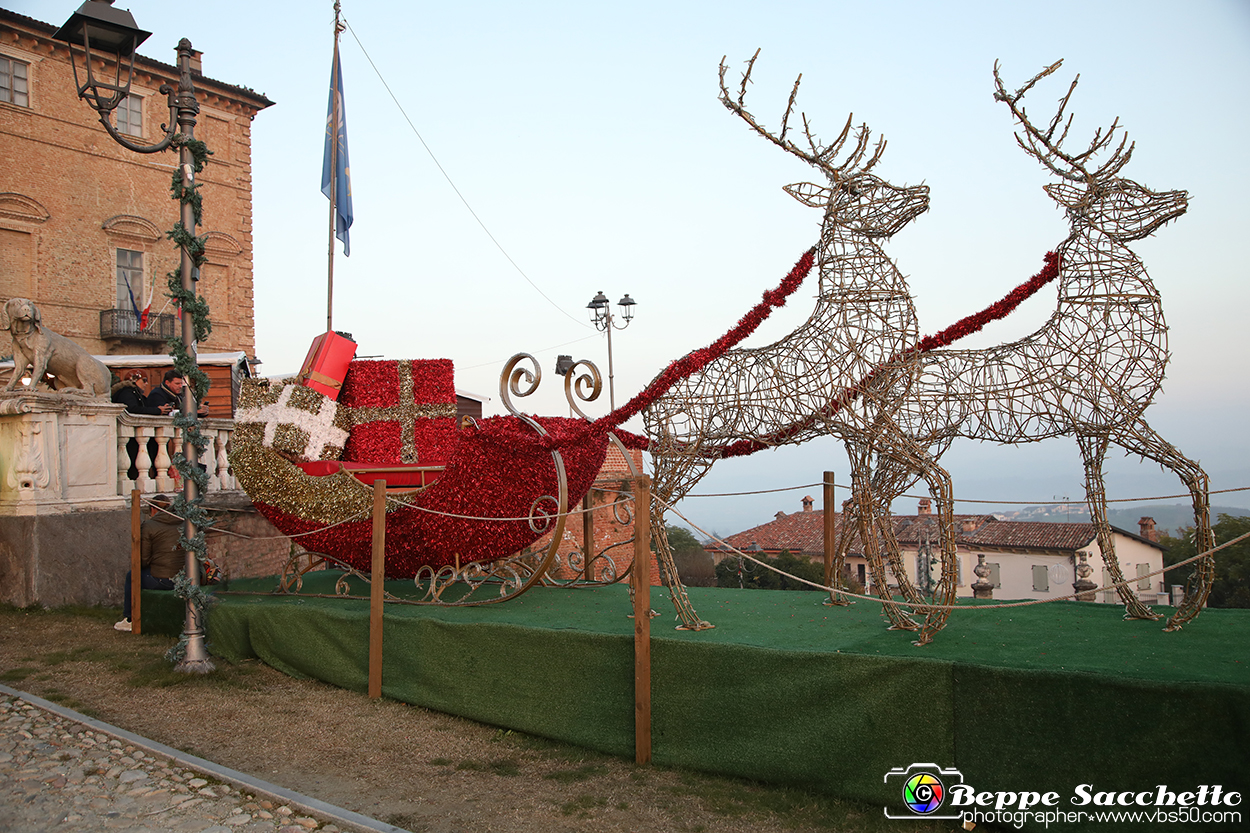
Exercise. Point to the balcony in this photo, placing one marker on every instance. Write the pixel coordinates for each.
(123, 324)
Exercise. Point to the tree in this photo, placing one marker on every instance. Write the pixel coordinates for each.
(756, 577)
(1232, 565)
(680, 539)
(694, 564)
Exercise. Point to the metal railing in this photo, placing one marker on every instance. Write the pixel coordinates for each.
(123, 323)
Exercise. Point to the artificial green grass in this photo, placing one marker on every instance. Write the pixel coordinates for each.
(787, 690)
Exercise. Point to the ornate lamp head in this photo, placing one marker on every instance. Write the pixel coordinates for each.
(109, 35)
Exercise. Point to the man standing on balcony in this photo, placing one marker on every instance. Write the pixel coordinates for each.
(170, 392)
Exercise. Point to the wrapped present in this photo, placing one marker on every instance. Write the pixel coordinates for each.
(402, 412)
(326, 364)
(299, 423)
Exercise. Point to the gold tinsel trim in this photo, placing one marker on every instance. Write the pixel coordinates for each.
(269, 479)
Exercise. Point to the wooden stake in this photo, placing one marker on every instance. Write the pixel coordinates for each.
(588, 531)
(376, 579)
(642, 620)
(830, 517)
(136, 561)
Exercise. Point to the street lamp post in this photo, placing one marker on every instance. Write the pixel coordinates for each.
(113, 35)
(601, 316)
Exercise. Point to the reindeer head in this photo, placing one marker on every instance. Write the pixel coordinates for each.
(864, 203)
(855, 199)
(1093, 196)
(1119, 208)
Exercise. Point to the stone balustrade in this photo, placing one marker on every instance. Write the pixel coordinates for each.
(146, 446)
(63, 454)
(68, 465)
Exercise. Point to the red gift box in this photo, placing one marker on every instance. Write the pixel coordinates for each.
(326, 364)
(402, 412)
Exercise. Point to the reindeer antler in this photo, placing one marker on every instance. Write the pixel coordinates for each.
(1046, 148)
(819, 156)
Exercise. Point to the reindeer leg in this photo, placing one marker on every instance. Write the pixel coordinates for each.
(939, 481)
(841, 544)
(1142, 440)
(867, 516)
(674, 476)
(880, 500)
(1093, 452)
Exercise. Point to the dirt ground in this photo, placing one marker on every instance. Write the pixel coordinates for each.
(414, 768)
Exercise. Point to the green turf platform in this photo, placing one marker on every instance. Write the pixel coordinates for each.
(787, 690)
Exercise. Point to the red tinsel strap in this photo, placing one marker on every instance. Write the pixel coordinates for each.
(694, 362)
(699, 359)
(963, 327)
(1001, 309)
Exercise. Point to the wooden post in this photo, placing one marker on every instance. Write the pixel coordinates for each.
(642, 619)
(588, 532)
(136, 561)
(376, 579)
(830, 516)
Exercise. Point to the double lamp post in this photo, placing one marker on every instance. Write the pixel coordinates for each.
(603, 319)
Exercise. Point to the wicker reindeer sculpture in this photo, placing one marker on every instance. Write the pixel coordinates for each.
(837, 374)
(1094, 367)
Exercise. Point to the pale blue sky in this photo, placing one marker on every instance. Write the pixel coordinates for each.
(590, 141)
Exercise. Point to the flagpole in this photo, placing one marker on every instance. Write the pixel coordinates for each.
(334, 167)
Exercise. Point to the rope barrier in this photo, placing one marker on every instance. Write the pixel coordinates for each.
(579, 511)
(147, 501)
(974, 500)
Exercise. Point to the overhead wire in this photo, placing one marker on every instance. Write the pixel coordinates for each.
(447, 177)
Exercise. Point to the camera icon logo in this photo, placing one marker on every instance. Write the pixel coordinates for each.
(923, 789)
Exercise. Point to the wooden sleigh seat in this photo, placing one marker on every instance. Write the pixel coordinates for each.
(404, 476)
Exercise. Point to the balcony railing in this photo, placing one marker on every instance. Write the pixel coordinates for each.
(123, 323)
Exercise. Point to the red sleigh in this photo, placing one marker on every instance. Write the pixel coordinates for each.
(459, 492)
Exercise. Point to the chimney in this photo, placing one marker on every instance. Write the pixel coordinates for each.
(807, 503)
(197, 62)
(925, 508)
(969, 525)
(1148, 531)
(779, 515)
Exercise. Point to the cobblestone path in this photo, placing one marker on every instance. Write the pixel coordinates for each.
(57, 774)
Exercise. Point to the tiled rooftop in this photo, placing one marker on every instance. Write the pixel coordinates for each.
(804, 532)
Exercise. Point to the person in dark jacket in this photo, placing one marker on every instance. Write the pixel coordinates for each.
(160, 556)
(129, 392)
(170, 392)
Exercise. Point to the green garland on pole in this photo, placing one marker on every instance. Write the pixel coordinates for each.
(191, 303)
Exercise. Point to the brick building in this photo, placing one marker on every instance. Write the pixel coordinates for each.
(83, 220)
(1027, 559)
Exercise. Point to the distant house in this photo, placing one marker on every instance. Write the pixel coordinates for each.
(1027, 559)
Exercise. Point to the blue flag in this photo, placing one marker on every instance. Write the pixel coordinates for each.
(343, 183)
